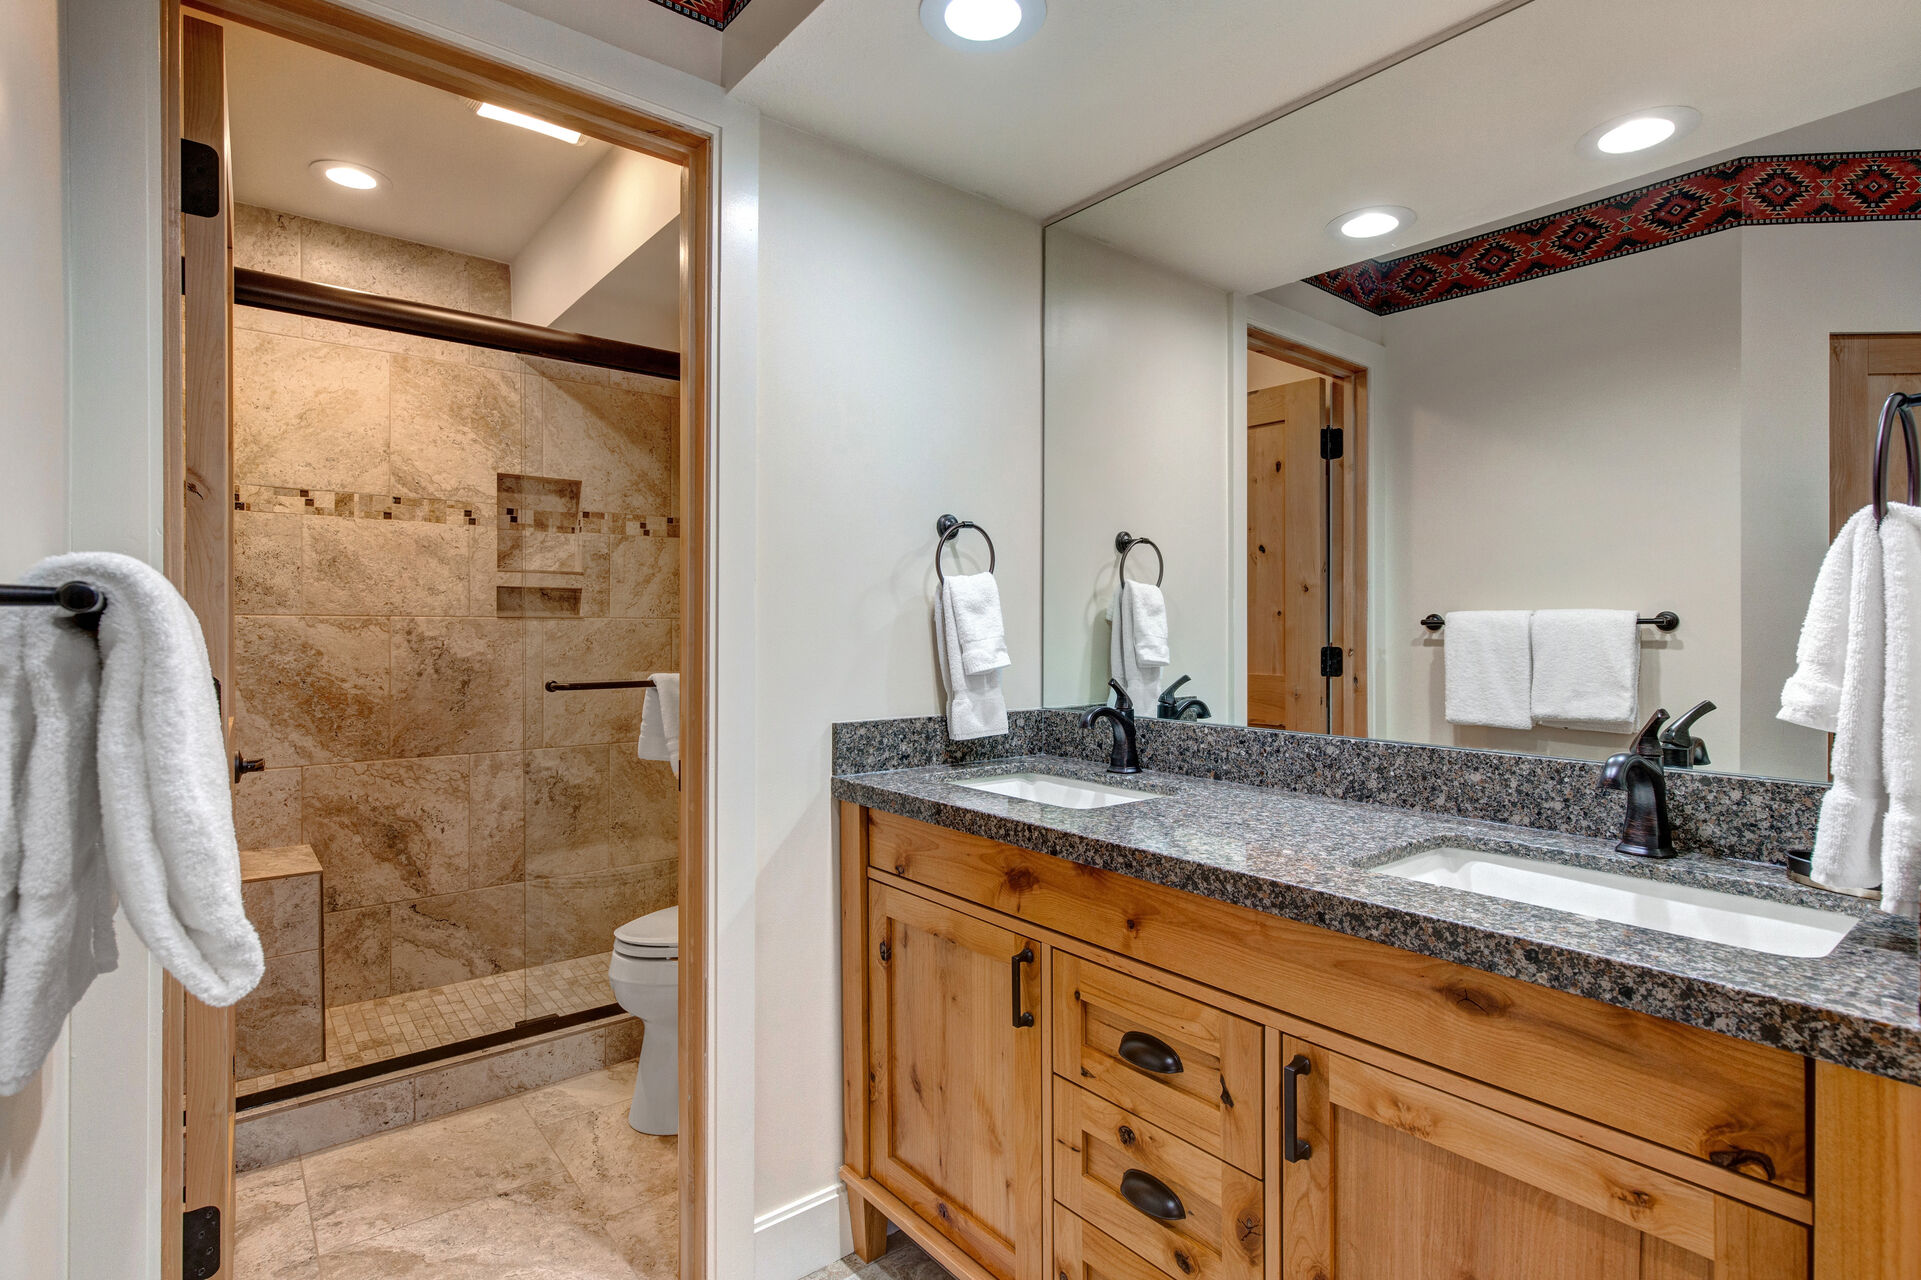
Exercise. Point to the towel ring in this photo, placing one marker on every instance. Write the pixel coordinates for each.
(1897, 404)
(947, 527)
(1125, 542)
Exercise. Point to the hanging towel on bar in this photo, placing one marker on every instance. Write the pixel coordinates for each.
(976, 602)
(1130, 649)
(976, 708)
(1587, 667)
(1486, 669)
(660, 720)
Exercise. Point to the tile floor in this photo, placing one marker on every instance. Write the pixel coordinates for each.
(549, 1185)
(374, 1030)
(903, 1260)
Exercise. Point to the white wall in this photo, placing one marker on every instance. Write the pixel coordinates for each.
(899, 379)
(1572, 442)
(618, 207)
(33, 524)
(1142, 371)
(1798, 285)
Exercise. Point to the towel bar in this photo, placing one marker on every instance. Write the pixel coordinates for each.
(1124, 542)
(81, 599)
(1666, 620)
(947, 527)
(555, 686)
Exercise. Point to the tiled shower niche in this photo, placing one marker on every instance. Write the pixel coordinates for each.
(425, 534)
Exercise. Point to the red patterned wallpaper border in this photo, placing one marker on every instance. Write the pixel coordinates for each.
(715, 13)
(1751, 191)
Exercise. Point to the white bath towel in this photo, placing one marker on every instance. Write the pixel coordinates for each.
(61, 933)
(660, 720)
(1487, 667)
(1587, 667)
(976, 603)
(1147, 618)
(1142, 680)
(16, 738)
(1838, 686)
(1901, 711)
(976, 708)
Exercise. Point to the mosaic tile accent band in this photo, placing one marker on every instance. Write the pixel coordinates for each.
(283, 500)
(1750, 191)
(1725, 815)
(714, 13)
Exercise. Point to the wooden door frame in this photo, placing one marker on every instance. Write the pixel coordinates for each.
(1349, 550)
(414, 56)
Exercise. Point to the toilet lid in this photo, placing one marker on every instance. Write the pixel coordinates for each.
(656, 934)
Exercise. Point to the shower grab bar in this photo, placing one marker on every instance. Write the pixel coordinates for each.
(555, 686)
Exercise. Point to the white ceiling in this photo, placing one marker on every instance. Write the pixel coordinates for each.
(1477, 130)
(1106, 90)
(455, 180)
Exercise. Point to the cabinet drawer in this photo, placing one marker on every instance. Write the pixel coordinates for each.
(1178, 1063)
(1189, 1213)
(1082, 1252)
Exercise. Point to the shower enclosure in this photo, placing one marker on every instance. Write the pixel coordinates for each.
(442, 518)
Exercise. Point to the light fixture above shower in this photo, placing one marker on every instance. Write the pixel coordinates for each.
(355, 177)
(520, 119)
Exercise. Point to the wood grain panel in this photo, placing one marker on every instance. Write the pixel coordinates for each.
(1286, 556)
(1082, 1252)
(1862, 370)
(1222, 1232)
(1579, 1055)
(1867, 1189)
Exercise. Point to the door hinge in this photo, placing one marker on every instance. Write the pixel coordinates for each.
(200, 1243)
(199, 179)
(1332, 443)
(1331, 660)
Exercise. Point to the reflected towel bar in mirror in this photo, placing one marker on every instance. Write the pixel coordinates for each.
(1666, 620)
(1125, 542)
(81, 599)
(555, 686)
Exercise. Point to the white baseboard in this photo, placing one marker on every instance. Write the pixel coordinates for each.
(800, 1238)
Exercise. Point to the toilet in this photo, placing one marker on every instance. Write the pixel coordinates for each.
(645, 973)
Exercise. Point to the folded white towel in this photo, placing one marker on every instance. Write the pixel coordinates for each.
(1587, 667)
(1142, 680)
(1901, 711)
(660, 720)
(1486, 668)
(1147, 617)
(975, 603)
(61, 933)
(1839, 687)
(976, 707)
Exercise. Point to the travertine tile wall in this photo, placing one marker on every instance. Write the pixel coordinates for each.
(424, 534)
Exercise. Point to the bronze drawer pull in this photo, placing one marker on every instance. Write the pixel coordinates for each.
(1024, 956)
(1293, 1149)
(1149, 1053)
(1151, 1196)
(1735, 1157)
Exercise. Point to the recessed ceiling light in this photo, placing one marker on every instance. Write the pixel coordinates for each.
(1627, 134)
(1372, 222)
(489, 111)
(978, 24)
(356, 177)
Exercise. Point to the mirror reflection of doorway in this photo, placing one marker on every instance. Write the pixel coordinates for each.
(1306, 539)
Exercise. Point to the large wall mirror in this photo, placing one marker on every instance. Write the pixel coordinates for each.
(1559, 368)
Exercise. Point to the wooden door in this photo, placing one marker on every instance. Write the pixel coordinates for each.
(1864, 369)
(1286, 556)
(958, 1073)
(203, 574)
(1402, 1179)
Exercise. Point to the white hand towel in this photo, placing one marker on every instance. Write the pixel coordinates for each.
(1587, 667)
(1839, 687)
(1142, 680)
(1901, 711)
(976, 707)
(1486, 668)
(16, 739)
(1148, 618)
(61, 934)
(975, 600)
(660, 720)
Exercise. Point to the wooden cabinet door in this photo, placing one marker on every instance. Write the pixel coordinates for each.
(955, 1032)
(1384, 1178)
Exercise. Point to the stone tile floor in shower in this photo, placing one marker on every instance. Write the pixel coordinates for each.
(375, 1030)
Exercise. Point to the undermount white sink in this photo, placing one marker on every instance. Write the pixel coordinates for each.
(1064, 793)
(1778, 928)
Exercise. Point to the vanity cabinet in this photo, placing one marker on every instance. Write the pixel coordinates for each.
(1056, 1070)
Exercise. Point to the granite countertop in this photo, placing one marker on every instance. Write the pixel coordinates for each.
(1309, 858)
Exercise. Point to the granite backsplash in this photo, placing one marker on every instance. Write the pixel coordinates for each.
(1720, 814)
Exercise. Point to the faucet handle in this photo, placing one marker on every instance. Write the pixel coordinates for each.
(1648, 741)
(1682, 747)
(1122, 702)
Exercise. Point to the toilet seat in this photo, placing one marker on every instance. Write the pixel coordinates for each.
(655, 936)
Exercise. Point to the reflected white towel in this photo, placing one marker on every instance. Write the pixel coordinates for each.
(1147, 616)
(975, 603)
(1587, 667)
(16, 738)
(1486, 669)
(61, 933)
(660, 720)
(976, 708)
(1142, 680)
